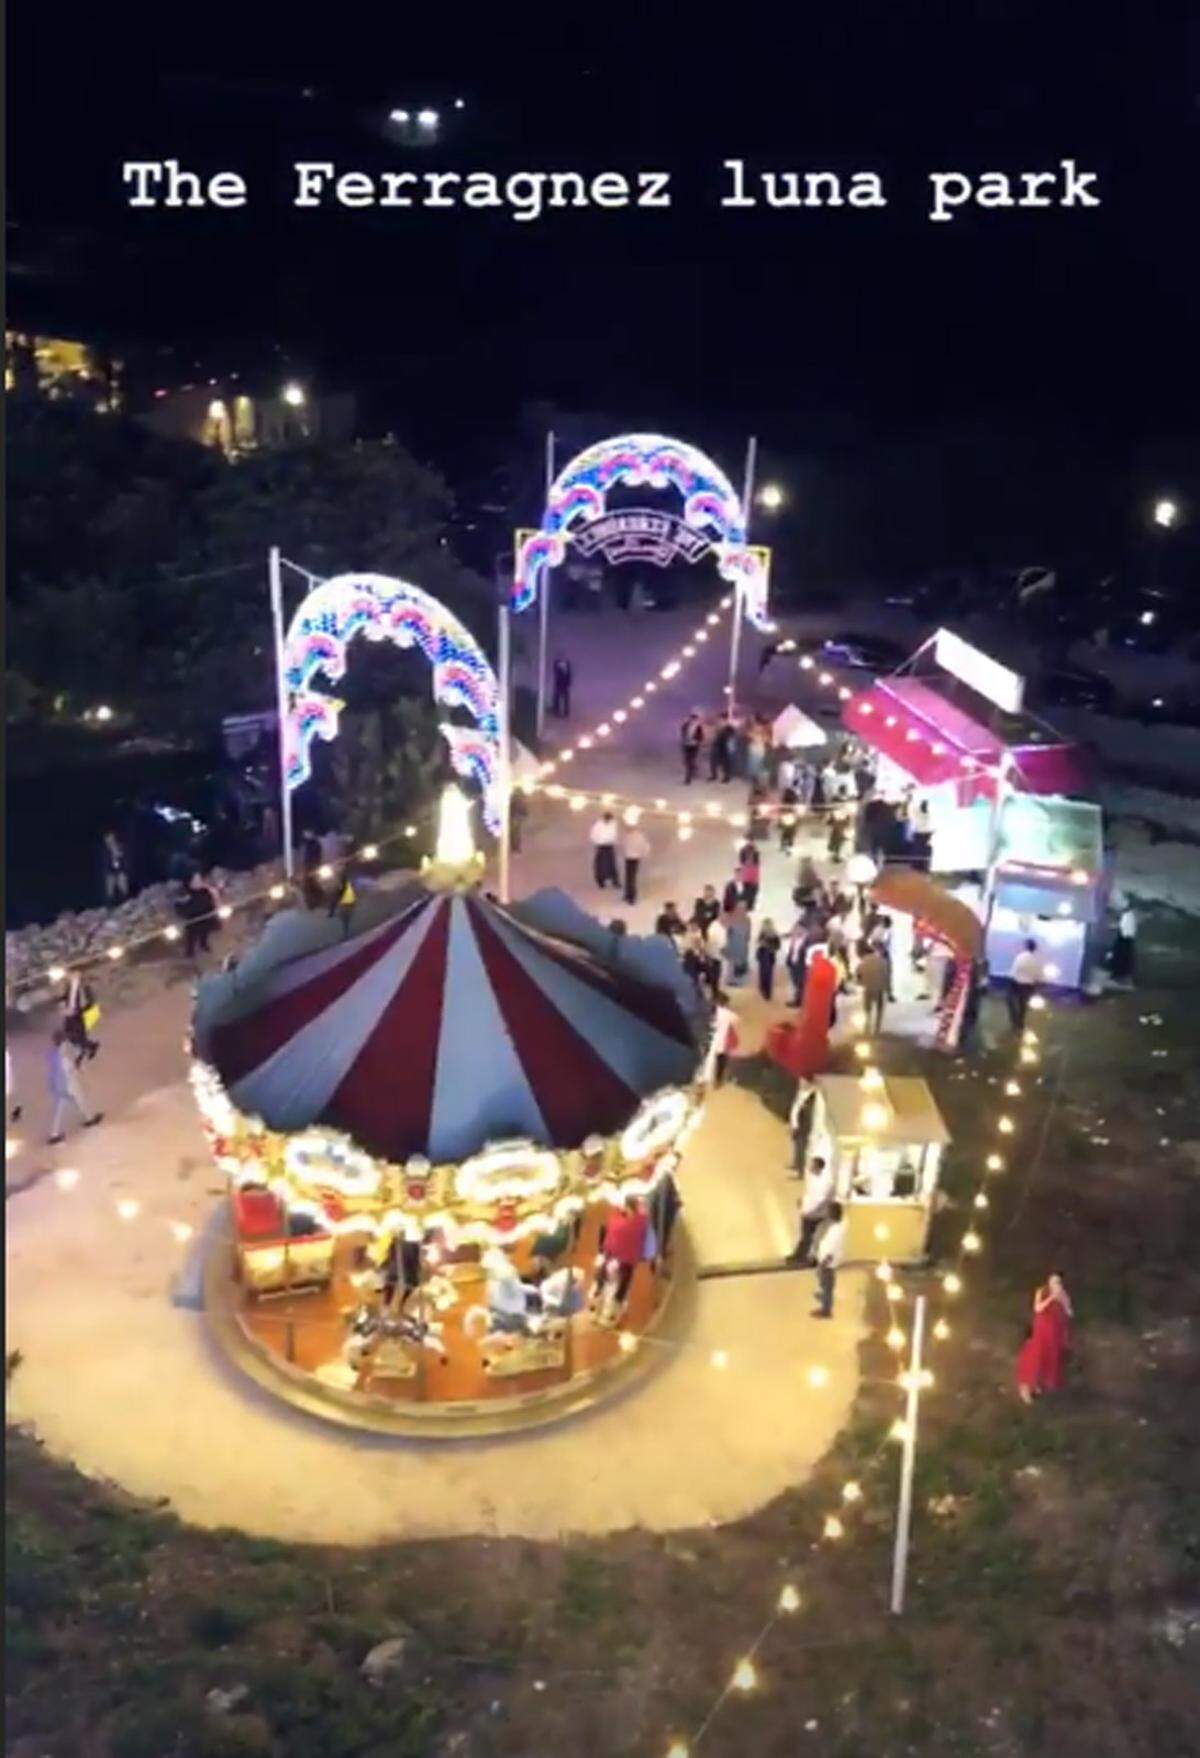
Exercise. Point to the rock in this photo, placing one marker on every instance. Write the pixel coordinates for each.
(222, 1702)
(389, 1660)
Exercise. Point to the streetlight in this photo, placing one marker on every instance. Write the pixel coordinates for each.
(770, 497)
(1165, 513)
(293, 395)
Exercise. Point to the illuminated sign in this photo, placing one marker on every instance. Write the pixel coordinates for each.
(979, 671)
(634, 535)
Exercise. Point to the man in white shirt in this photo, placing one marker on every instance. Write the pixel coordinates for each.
(604, 850)
(830, 1253)
(1023, 980)
(814, 1208)
(635, 848)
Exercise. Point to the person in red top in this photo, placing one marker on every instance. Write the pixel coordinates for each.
(1040, 1362)
(623, 1243)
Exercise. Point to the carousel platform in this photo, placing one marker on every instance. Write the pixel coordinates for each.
(287, 1347)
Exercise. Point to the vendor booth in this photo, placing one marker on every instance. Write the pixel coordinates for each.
(883, 1136)
(1050, 886)
(793, 730)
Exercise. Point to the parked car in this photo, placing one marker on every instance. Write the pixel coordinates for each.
(1075, 689)
(864, 652)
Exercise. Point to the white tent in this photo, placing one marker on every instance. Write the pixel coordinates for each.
(794, 729)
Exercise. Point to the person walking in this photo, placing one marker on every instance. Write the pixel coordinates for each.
(830, 1253)
(766, 953)
(604, 850)
(199, 912)
(81, 1016)
(11, 1102)
(724, 742)
(873, 979)
(737, 944)
(66, 1088)
(691, 742)
(1042, 1354)
(749, 874)
(814, 1209)
(795, 959)
(800, 1122)
(724, 1041)
(342, 899)
(787, 820)
(1023, 980)
(564, 677)
(1123, 957)
(114, 868)
(706, 909)
(635, 848)
(837, 836)
(714, 947)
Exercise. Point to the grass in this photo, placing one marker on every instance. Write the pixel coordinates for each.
(1047, 1542)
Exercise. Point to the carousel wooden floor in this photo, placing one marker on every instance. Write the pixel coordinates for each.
(309, 1330)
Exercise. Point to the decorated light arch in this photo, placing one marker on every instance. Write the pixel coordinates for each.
(712, 513)
(383, 609)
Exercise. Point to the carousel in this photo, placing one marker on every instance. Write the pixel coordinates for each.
(449, 1136)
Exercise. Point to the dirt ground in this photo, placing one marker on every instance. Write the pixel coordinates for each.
(1054, 1600)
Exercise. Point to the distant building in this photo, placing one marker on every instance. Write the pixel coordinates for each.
(62, 370)
(234, 417)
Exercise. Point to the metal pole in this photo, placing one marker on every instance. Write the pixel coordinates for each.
(281, 708)
(504, 668)
(995, 825)
(544, 605)
(735, 636)
(908, 1461)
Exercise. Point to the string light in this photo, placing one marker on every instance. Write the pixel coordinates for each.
(116, 952)
(181, 1232)
(952, 1283)
(170, 932)
(66, 1178)
(818, 1376)
(852, 1491)
(1005, 1125)
(972, 1242)
(627, 1342)
(941, 1330)
(789, 1598)
(129, 1208)
(744, 1676)
(895, 1338)
(833, 1527)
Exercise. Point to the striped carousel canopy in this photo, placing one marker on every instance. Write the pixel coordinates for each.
(452, 1023)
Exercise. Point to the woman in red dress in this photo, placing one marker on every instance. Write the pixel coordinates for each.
(1040, 1362)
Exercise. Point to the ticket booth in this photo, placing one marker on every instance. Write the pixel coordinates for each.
(884, 1142)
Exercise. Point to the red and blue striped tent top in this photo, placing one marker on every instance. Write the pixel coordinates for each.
(449, 1025)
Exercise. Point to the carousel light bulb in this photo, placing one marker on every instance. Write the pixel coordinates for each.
(862, 1050)
(925, 1378)
(898, 1430)
(578, 802)
(712, 620)
(807, 662)
(620, 716)
(627, 1342)
(603, 730)
(972, 1242)
(116, 952)
(852, 1491)
(171, 933)
(789, 1598)
(833, 1527)
(586, 742)
(128, 1208)
(941, 1330)
(1005, 1125)
(410, 830)
(818, 1376)
(712, 809)
(825, 678)
(567, 756)
(632, 815)
(884, 1270)
(637, 702)
(678, 1749)
(744, 1676)
(225, 911)
(995, 1162)
(895, 1291)
(689, 652)
(370, 852)
(871, 1080)
(556, 791)
(325, 872)
(719, 1358)
(685, 832)
(1030, 1037)
(455, 844)
(859, 1021)
(701, 635)
(881, 1232)
(952, 1284)
(56, 973)
(981, 1201)
(895, 1338)
(181, 1232)
(66, 1178)
(1029, 1057)
(1037, 1003)
(1013, 1089)
(875, 1117)
(650, 686)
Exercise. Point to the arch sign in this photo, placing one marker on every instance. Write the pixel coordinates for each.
(382, 609)
(713, 518)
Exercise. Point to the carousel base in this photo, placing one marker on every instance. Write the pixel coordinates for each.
(237, 1331)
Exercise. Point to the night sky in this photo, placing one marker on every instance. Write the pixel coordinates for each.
(453, 319)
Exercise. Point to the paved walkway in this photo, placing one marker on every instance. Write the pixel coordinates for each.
(117, 1377)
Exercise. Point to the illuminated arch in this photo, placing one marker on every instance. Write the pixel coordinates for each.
(710, 504)
(383, 609)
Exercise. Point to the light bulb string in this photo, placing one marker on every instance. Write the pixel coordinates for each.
(54, 975)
